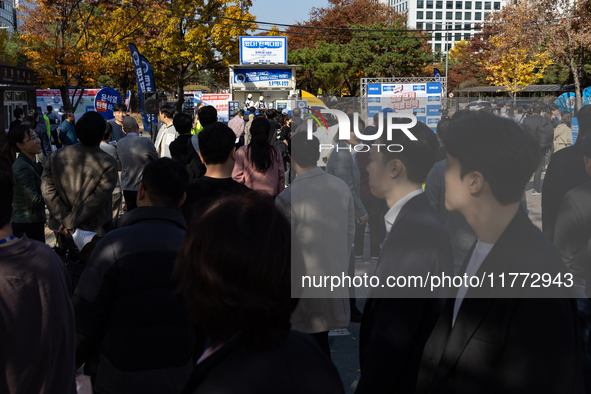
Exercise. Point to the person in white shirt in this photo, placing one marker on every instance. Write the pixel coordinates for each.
(167, 132)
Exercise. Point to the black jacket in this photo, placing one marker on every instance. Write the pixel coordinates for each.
(541, 128)
(179, 149)
(126, 304)
(395, 330)
(297, 366)
(573, 230)
(508, 345)
(565, 172)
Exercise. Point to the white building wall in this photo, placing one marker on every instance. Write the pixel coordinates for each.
(451, 20)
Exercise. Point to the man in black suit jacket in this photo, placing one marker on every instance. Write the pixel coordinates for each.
(397, 323)
(541, 128)
(565, 171)
(493, 339)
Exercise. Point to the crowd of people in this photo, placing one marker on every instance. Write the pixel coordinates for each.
(193, 244)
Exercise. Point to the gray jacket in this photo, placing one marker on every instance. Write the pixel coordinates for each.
(342, 165)
(134, 152)
(77, 184)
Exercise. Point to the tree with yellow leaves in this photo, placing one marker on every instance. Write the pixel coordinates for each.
(516, 60)
(66, 41)
(517, 69)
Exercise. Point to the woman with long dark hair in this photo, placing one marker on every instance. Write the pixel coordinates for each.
(259, 165)
(237, 289)
(28, 214)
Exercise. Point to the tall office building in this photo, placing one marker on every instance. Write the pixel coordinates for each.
(451, 21)
(7, 15)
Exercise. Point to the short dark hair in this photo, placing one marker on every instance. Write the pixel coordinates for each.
(297, 112)
(584, 119)
(67, 114)
(6, 190)
(207, 115)
(553, 107)
(270, 113)
(49, 108)
(18, 112)
(417, 156)
(501, 150)
(234, 287)
(167, 110)
(182, 123)
(303, 151)
(165, 181)
(108, 132)
(90, 128)
(216, 142)
(537, 107)
(119, 107)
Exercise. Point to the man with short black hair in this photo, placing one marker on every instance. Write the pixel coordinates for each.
(67, 134)
(135, 153)
(555, 109)
(217, 148)
(274, 126)
(19, 115)
(397, 322)
(38, 329)
(178, 148)
(167, 132)
(125, 303)
(54, 124)
(120, 113)
(78, 180)
(494, 338)
(207, 115)
(541, 128)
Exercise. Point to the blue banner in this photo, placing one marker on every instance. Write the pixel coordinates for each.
(145, 83)
(104, 101)
(261, 75)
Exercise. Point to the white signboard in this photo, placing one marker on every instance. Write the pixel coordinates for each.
(263, 50)
(220, 102)
(263, 78)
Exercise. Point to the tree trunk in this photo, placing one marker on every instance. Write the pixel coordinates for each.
(180, 83)
(575, 71)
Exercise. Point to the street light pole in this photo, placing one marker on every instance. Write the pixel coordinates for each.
(446, 64)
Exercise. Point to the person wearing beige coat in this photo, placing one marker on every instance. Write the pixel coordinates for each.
(563, 135)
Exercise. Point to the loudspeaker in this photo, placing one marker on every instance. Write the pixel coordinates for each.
(151, 103)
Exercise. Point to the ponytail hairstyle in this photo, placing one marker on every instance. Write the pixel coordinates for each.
(16, 135)
(260, 152)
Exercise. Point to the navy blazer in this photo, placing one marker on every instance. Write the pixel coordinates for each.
(395, 330)
(508, 345)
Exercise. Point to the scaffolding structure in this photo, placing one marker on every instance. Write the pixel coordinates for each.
(401, 80)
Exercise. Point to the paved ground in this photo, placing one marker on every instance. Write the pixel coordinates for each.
(345, 343)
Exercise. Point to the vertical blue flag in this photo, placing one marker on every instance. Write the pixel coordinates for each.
(145, 83)
(437, 75)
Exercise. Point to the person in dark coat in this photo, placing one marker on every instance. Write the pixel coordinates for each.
(29, 205)
(125, 302)
(38, 330)
(178, 148)
(565, 172)
(493, 338)
(19, 115)
(397, 322)
(239, 293)
(217, 150)
(541, 128)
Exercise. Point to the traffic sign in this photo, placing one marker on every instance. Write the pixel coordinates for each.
(450, 95)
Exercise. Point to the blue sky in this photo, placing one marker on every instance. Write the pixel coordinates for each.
(282, 11)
